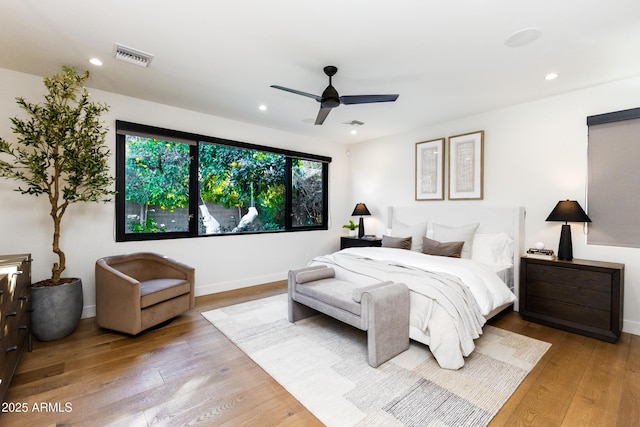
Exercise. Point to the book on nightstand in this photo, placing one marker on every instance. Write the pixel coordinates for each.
(541, 253)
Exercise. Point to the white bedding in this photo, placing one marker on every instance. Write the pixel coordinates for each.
(448, 335)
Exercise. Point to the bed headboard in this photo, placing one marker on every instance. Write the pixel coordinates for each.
(492, 219)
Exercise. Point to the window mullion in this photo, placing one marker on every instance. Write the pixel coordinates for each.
(288, 217)
(194, 190)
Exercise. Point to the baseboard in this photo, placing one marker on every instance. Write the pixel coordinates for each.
(631, 327)
(88, 311)
(214, 288)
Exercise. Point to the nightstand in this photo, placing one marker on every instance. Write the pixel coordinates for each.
(581, 296)
(354, 242)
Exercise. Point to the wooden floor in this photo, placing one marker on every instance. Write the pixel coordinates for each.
(187, 372)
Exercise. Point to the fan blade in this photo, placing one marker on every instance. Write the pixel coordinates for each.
(366, 99)
(322, 114)
(297, 92)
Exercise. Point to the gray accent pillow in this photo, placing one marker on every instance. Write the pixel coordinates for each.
(396, 242)
(445, 233)
(416, 232)
(433, 247)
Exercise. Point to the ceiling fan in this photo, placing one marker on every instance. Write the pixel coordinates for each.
(330, 98)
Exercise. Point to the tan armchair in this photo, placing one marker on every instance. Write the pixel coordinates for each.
(139, 290)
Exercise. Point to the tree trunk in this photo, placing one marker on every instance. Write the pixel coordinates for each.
(58, 267)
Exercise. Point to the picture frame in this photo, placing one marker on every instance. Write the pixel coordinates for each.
(429, 159)
(466, 162)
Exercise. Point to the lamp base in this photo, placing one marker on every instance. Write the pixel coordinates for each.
(565, 248)
(361, 228)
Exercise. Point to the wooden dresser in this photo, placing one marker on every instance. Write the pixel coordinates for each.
(15, 311)
(581, 296)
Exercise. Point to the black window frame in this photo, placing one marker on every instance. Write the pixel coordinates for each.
(124, 128)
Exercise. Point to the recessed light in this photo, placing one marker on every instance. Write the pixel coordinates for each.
(523, 37)
(551, 76)
(96, 61)
(353, 131)
(262, 107)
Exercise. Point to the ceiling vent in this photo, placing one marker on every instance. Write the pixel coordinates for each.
(131, 55)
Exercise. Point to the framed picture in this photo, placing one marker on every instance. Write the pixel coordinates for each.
(465, 166)
(430, 170)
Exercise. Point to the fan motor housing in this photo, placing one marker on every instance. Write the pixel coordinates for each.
(330, 98)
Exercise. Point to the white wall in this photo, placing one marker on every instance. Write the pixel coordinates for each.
(535, 155)
(221, 262)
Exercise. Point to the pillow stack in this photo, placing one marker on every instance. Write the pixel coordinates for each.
(459, 242)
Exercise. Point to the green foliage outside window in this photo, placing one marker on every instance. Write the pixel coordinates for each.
(237, 177)
(307, 193)
(237, 188)
(157, 175)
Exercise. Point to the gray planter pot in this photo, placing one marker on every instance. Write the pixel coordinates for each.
(56, 310)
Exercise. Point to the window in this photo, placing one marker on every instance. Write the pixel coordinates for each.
(156, 185)
(613, 178)
(308, 198)
(172, 184)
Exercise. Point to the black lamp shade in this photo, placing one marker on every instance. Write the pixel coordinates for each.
(567, 211)
(361, 209)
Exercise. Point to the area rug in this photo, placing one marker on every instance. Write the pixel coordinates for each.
(323, 364)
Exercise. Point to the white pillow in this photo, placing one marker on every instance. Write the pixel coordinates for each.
(416, 232)
(464, 233)
(493, 249)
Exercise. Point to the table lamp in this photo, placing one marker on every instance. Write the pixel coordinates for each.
(361, 209)
(567, 211)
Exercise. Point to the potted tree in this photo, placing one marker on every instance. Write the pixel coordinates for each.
(60, 154)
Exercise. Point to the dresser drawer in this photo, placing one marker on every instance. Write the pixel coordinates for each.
(570, 294)
(579, 314)
(585, 279)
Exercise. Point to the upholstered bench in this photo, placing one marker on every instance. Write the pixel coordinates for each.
(381, 309)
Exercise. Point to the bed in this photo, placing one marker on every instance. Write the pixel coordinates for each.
(451, 298)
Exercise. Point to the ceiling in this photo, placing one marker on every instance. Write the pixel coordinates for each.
(446, 58)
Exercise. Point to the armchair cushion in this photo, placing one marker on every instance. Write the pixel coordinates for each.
(157, 290)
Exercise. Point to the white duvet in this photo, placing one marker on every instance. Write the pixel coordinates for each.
(447, 318)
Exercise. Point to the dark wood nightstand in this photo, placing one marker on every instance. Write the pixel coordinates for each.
(581, 296)
(354, 242)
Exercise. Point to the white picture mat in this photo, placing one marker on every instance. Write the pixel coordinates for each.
(465, 166)
(430, 169)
